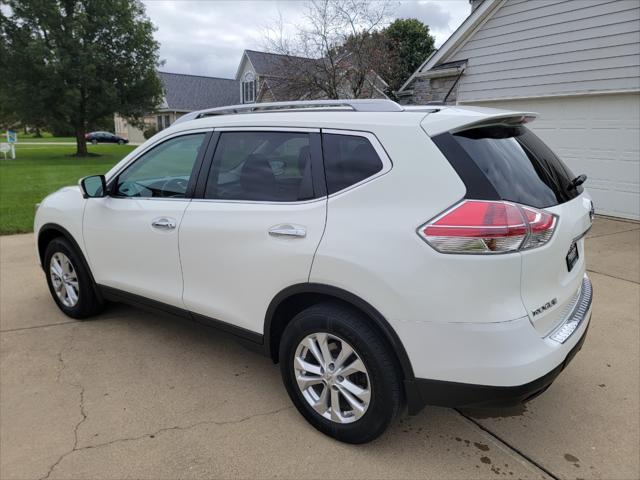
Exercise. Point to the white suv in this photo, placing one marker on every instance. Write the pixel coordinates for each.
(384, 256)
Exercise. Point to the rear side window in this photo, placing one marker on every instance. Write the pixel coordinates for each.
(348, 159)
(261, 166)
(508, 163)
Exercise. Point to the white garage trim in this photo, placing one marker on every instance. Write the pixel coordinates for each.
(559, 95)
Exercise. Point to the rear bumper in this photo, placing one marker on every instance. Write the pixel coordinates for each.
(421, 392)
(548, 356)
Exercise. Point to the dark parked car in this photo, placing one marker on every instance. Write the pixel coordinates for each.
(105, 137)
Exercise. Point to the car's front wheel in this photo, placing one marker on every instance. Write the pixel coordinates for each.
(69, 281)
(120, 142)
(339, 373)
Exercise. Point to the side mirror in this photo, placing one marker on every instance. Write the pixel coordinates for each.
(94, 186)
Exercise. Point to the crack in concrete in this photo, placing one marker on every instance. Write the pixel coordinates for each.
(9, 330)
(183, 428)
(612, 233)
(527, 458)
(149, 435)
(612, 276)
(62, 367)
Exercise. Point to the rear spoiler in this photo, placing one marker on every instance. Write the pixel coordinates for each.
(457, 119)
(508, 121)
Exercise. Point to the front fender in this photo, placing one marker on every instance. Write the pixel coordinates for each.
(65, 209)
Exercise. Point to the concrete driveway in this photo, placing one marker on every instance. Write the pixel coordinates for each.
(135, 395)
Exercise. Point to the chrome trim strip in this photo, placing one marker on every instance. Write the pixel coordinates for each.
(162, 199)
(572, 322)
(253, 128)
(583, 234)
(258, 202)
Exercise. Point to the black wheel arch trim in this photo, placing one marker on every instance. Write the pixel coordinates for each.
(49, 227)
(318, 288)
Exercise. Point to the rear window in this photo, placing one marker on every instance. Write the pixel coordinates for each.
(508, 163)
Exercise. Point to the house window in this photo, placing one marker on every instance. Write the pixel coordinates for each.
(249, 88)
(163, 121)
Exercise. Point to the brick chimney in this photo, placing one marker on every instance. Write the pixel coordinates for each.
(475, 4)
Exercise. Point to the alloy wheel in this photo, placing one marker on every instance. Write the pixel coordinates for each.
(332, 377)
(64, 279)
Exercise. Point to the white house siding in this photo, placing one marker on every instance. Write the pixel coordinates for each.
(540, 48)
(598, 135)
(134, 134)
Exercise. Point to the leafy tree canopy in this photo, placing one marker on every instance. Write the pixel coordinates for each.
(71, 63)
(409, 43)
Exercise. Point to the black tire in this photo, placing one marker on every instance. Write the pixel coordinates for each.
(120, 142)
(88, 303)
(94, 141)
(353, 327)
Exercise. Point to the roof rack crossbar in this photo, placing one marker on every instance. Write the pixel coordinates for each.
(359, 105)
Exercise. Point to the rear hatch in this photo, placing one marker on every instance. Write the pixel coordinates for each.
(506, 161)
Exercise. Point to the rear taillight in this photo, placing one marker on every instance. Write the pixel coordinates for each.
(476, 226)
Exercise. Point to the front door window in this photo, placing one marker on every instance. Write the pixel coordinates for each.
(164, 171)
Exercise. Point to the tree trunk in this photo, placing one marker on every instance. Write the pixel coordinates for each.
(81, 143)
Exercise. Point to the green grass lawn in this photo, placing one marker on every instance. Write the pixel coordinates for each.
(40, 170)
(45, 139)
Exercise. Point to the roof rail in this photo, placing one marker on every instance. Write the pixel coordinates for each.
(359, 105)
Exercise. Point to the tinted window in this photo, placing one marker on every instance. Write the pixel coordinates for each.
(261, 166)
(514, 162)
(348, 159)
(162, 172)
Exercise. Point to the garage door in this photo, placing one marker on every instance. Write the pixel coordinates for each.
(598, 135)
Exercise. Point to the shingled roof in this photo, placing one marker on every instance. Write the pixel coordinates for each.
(275, 65)
(194, 92)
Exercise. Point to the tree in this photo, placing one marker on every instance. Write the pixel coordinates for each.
(71, 63)
(408, 43)
(333, 52)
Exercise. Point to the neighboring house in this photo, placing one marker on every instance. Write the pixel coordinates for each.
(183, 94)
(261, 77)
(270, 77)
(576, 63)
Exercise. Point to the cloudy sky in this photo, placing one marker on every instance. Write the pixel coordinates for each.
(207, 37)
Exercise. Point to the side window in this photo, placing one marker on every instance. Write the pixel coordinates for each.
(348, 159)
(162, 172)
(261, 166)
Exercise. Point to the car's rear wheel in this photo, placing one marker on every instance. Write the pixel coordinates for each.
(120, 142)
(339, 373)
(94, 141)
(69, 281)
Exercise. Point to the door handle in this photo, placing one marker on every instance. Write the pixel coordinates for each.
(164, 223)
(288, 231)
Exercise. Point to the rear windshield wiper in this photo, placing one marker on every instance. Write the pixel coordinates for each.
(576, 182)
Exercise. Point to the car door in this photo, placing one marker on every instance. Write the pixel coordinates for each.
(256, 227)
(131, 236)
